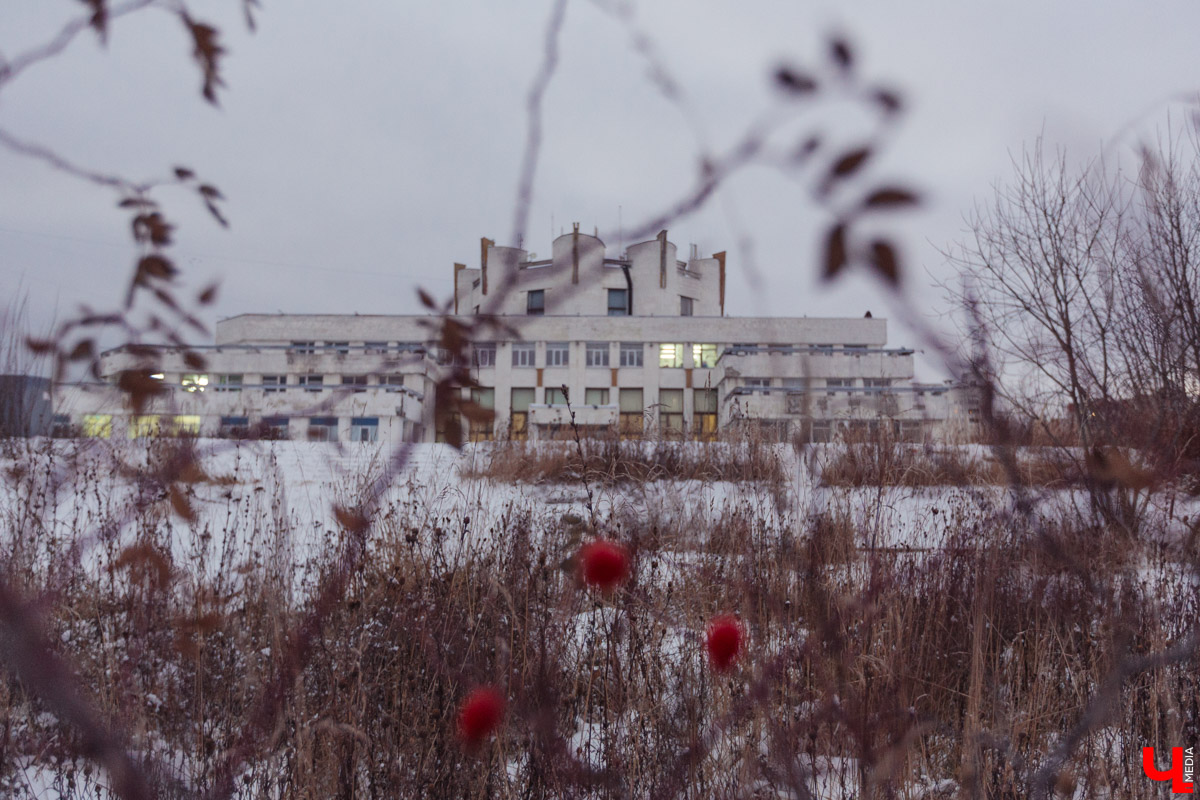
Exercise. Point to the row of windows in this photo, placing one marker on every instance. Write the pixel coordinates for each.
(831, 384)
(618, 303)
(320, 429)
(196, 382)
(312, 347)
(629, 400)
(598, 354)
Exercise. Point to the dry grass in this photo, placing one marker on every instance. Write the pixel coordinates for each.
(884, 461)
(612, 461)
(962, 668)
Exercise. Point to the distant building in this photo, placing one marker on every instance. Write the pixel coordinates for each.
(641, 343)
(25, 406)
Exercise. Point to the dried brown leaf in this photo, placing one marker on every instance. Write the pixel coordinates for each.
(891, 197)
(180, 503)
(794, 82)
(352, 520)
(849, 162)
(835, 251)
(885, 261)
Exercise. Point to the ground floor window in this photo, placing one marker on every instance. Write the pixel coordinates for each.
(364, 429)
(632, 413)
(322, 429)
(275, 428)
(481, 426)
(143, 426)
(670, 410)
(233, 427)
(522, 399)
(97, 426)
(704, 413)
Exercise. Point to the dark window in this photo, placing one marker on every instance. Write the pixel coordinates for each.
(618, 302)
(535, 302)
(685, 306)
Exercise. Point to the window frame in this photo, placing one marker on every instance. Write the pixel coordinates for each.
(599, 349)
(538, 308)
(558, 354)
(519, 352)
(623, 309)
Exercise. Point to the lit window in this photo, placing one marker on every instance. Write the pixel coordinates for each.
(485, 354)
(670, 355)
(97, 426)
(670, 409)
(618, 302)
(704, 355)
(596, 397)
(704, 413)
(685, 306)
(632, 412)
(535, 302)
(141, 427)
(558, 354)
(187, 425)
(194, 382)
(522, 398)
(597, 354)
(523, 354)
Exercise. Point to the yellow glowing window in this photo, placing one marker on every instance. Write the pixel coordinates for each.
(97, 426)
(704, 355)
(670, 355)
(143, 426)
(194, 382)
(186, 425)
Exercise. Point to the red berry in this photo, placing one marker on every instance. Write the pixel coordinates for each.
(480, 715)
(724, 642)
(603, 564)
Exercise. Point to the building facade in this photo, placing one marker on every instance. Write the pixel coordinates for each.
(638, 344)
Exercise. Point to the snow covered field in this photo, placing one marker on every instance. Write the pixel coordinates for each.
(245, 510)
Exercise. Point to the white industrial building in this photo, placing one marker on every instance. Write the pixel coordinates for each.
(641, 343)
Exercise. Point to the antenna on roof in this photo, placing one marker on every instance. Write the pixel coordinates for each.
(620, 234)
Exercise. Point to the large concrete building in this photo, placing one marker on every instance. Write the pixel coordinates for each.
(641, 343)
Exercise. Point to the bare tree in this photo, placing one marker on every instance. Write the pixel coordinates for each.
(1040, 280)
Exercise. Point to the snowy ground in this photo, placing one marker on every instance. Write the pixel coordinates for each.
(273, 504)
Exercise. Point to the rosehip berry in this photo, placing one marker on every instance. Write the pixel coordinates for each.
(603, 564)
(480, 715)
(724, 642)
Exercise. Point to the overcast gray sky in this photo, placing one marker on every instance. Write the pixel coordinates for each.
(363, 147)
